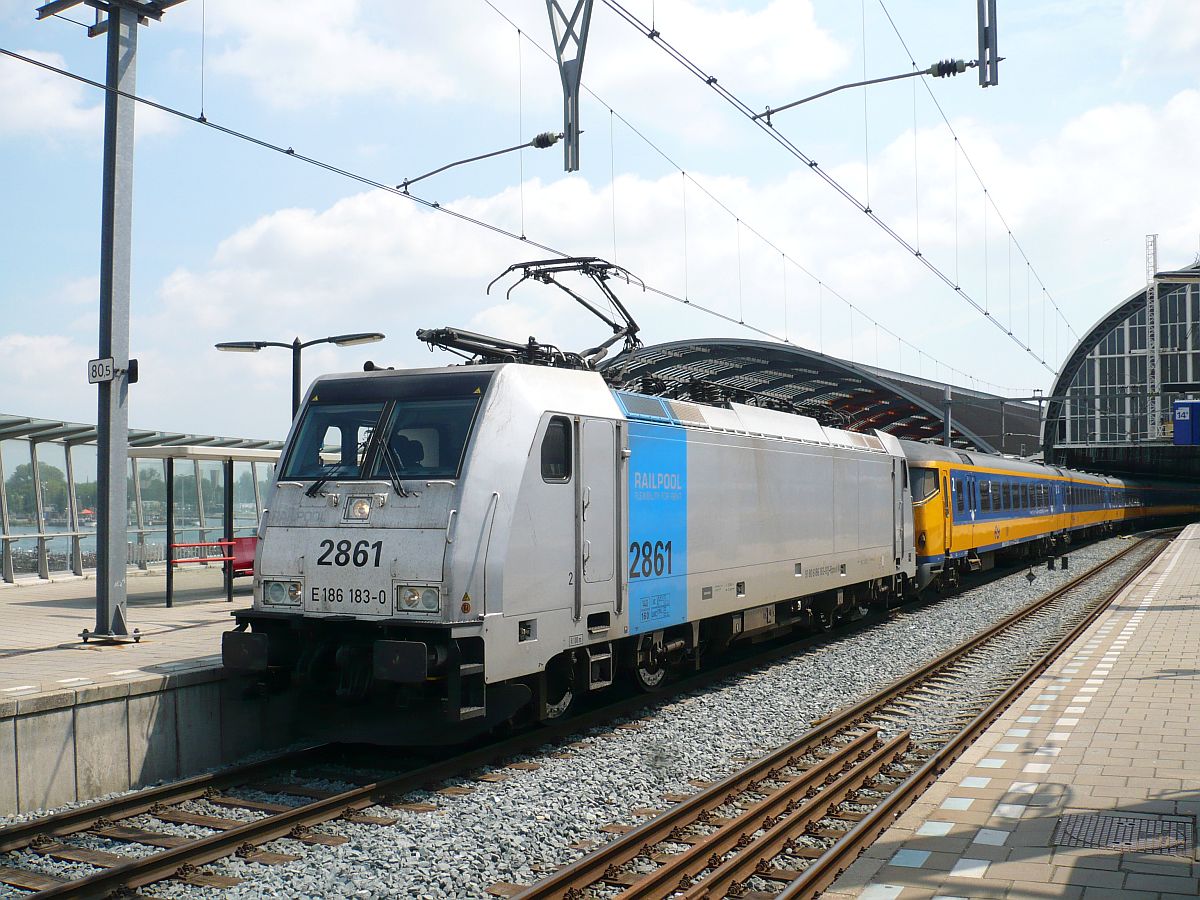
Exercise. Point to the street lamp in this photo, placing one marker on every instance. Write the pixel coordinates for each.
(342, 340)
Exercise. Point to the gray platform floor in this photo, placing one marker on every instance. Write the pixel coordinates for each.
(40, 648)
(1105, 739)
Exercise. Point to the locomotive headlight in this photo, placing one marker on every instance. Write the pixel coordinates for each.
(408, 598)
(282, 593)
(360, 508)
(418, 598)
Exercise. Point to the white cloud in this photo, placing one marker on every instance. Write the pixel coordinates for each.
(1164, 35)
(1079, 200)
(37, 102)
(47, 373)
(777, 47)
(296, 52)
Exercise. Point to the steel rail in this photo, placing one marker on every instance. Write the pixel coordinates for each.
(569, 881)
(885, 695)
(146, 870)
(826, 868)
(682, 867)
(762, 848)
(82, 818)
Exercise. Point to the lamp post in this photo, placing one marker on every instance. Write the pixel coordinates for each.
(296, 346)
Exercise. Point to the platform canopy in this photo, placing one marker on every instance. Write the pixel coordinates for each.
(39, 430)
(834, 391)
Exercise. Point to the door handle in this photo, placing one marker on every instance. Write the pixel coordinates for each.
(587, 550)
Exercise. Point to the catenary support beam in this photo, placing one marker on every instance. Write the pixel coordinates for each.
(570, 41)
(116, 226)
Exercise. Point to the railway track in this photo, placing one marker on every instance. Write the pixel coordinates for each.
(822, 767)
(180, 857)
(790, 822)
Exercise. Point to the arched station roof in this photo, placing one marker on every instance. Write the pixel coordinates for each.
(833, 391)
(1141, 453)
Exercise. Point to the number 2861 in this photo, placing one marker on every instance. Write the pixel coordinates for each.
(648, 559)
(343, 553)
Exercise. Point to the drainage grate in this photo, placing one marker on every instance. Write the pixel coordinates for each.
(1168, 837)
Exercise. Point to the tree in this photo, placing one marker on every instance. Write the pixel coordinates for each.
(19, 488)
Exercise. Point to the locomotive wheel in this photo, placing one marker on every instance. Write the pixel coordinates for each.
(560, 686)
(649, 671)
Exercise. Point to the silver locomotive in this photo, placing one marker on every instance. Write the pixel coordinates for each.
(454, 547)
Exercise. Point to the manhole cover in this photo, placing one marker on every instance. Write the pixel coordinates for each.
(1162, 836)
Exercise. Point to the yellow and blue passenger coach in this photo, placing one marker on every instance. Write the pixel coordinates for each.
(971, 508)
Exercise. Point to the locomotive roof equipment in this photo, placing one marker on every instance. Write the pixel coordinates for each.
(482, 348)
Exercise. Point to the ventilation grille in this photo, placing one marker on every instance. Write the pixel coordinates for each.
(1166, 837)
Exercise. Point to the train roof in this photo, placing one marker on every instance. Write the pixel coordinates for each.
(917, 451)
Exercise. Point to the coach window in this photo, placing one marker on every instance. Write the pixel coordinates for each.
(556, 450)
(958, 495)
(985, 495)
(1006, 495)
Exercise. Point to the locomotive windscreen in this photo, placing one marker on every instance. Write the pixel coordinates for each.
(385, 428)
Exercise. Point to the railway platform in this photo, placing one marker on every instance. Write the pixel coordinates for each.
(79, 720)
(1088, 785)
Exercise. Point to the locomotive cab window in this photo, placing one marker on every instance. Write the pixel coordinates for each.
(556, 450)
(332, 440)
(385, 429)
(425, 438)
(924, 484)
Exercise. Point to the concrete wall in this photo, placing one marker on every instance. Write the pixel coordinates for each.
(79, 744)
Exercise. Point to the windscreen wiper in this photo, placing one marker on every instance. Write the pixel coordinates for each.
(315, 487)
(392, 461)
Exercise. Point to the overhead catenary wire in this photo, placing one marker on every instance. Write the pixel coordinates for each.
(961, 149)
(521, 128)
(203, 49)
(666, 157)
(787, 144)
(866, 117)
(474, 221)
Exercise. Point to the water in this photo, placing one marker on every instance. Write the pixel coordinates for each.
(151, 550)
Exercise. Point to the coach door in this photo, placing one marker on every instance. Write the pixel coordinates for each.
(597, 513)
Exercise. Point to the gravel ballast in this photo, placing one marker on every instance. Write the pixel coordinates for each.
(533, 822)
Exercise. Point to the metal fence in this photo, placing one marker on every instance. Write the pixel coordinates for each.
(48, 494)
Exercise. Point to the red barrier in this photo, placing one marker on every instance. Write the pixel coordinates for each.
(243, 555)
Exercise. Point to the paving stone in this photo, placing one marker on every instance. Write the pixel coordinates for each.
(1123, 739)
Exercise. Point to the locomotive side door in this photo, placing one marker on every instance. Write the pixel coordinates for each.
(596, 505)
(899, 483)
(947, 524)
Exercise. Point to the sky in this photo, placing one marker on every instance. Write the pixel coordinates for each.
(1033, 194)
